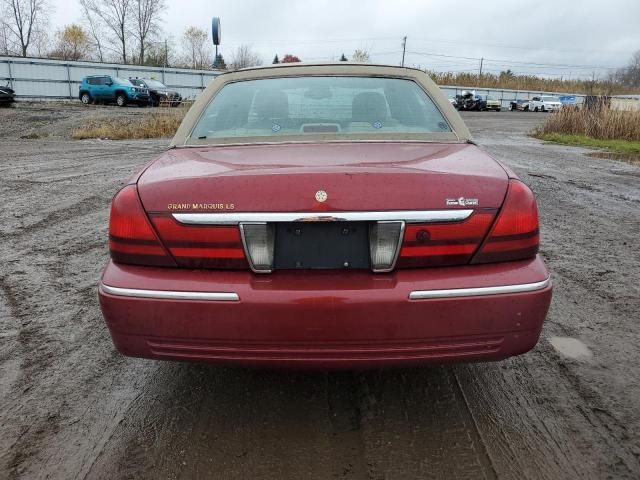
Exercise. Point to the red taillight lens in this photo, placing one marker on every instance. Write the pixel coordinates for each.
(431, 245)
(131, 238)
(195, 246)
(515, 235)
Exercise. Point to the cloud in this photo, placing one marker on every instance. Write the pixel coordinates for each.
(564, 38)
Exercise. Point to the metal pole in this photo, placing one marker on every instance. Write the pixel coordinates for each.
(404, 48)
(166, 54)
(10, 74)
(69, 81)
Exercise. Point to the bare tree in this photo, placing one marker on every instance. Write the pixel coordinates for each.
(630, 75)
(5, 41)
(147, 15)
(360, 55)
(245, 57)
(93, 26)
(196, 45)
(115, 15)
(24, 20)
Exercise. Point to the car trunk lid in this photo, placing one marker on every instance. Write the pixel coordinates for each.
(355, 176)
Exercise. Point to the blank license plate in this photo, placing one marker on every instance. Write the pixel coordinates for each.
(326, 245)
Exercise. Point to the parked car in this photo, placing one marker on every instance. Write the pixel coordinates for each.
(568, 100)
(7, 96)
(333, 216)
(545, 103)
(469, 101)
(159, 93)
(492, 104)
(108, 89)
(519, 104)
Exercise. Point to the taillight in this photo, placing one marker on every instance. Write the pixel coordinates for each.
(432, 245)
(195, 246)
(515, 235)
(131, 238)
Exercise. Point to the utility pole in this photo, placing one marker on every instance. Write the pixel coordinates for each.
(166, 53)
(404, 48)
(480, 74)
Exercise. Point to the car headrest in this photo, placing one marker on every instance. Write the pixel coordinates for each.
(369, 107)
(271, 104)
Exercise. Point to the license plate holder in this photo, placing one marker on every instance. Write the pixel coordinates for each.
(322, 245)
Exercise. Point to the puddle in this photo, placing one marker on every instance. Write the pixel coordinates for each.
(632, 158)
(571, 348)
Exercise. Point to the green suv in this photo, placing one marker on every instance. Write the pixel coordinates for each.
(108, 89)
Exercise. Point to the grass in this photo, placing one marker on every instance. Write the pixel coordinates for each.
(153, 125)
(618, 146)
(603, 128)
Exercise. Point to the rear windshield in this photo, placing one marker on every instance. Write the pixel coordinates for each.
(550, 99)
(313, 105)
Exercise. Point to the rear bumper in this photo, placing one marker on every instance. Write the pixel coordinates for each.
(327, 319)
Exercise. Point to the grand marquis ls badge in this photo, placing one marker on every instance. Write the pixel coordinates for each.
(321, 196)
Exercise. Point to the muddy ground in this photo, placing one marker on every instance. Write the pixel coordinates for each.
(71, 407)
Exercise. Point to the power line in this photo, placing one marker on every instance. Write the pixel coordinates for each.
(516, 47)
(514, 62)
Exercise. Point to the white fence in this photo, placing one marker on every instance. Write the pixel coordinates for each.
(37, 78)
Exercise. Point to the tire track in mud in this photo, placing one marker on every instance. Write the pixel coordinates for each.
(589, 227)
(59, 357)
(237, 424)
(72, 211)
(418, 425)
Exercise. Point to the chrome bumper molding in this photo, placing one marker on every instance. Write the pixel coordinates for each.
(479, 291)
(407, 216)
(170, 295)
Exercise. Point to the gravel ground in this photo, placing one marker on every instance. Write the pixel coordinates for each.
(71, 407)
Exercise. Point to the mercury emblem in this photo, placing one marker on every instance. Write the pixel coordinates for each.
(321, 196)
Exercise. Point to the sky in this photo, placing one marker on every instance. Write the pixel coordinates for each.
(561, 38)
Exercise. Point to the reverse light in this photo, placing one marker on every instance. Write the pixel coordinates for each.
(258, 239)
(515, 234)
(383, 244)
(131, 237)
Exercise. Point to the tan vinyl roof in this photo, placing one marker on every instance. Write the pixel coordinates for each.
(460, 132)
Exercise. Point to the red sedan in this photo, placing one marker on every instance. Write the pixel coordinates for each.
(333, 216)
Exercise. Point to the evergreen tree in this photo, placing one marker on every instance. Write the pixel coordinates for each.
(219, 62)
(276, 59)
(343, 58)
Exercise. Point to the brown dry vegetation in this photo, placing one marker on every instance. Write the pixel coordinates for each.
(600, 123)
(154, 125)
(531, 83)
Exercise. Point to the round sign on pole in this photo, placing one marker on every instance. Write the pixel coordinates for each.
(215, 30)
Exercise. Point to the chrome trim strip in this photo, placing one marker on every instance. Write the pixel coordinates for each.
(170, 295)
(408, 216)
(479, 291)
